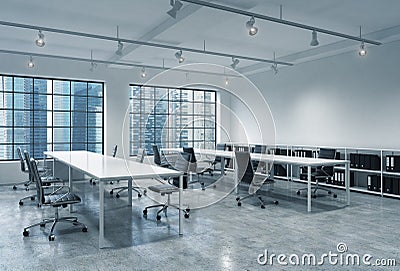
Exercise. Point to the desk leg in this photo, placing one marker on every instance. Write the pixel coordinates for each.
(222, 166)
(71, 207)
(180, 205)
(101, 214)
(130, 191)
(347, 182)
(309, 188)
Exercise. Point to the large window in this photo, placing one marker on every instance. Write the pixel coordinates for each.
(171, 117)
(40, 115)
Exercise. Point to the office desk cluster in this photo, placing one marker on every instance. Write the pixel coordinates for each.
(105, 168)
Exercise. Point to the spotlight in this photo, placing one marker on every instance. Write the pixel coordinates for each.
(143, 73)
(30, 62)
(40, 40)
(176, 6)
(362, 51)
(235, 62)
(250, 26)
(314, 39)
(120, 46)
(274, 67)
(226, 81)
(93, 66)
(179, 56)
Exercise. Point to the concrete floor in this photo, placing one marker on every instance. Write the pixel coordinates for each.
(221, 236)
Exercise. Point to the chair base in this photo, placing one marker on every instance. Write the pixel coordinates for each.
(164, 208)
(262, 202)
(315, 189)
(55, 220)
(137, 189)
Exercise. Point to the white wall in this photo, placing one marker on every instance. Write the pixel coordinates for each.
(343, 100)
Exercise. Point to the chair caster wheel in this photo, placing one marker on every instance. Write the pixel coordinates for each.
(329, 192)
(94, 183)
(91, 181)
(335, 196)
(262, 206)
(139, 195)
(32, 198)
(144, 212)
(51, 237)
(239, 204)
(111, 183)
(186, 215)
(238, 198)
(276, 202)
(111, 192)
(21, 203)
(42, 225)
(158, 217)
(144, 192)
(84, 229)
(25, 233)
(14, 187)
(117, 196)
(27, 189)
(298, 192)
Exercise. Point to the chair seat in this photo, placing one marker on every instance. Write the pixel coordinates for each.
(163, 188)
(57, 200)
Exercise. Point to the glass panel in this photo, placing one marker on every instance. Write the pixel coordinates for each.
(42, 86)
(6, 100)
(42, 102)
(161, 94)
(61, 102)
(39, 135)
(23, 84)
(186, 95)
(22, 101)
(95, 119)
(38, 150)
(78, 146)
(62, 119)
(6, 118)
(95, 89)
(95, 104)
(79, 103)
(95, 148)
(6, 83)
(6, 135)
(22, 135)
(161, 107)
(95, 135)
(6, 152)
(198, 96)
(209, 109)
(209, 96)
(79, 88)
(61, 135)
(79, 134)
(79, 119)
(40, 118)
(198, 108)
(61, 87)
(62, 147)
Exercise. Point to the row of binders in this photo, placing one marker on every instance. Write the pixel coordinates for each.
(365, 161)
(393, 163)
(390, 184)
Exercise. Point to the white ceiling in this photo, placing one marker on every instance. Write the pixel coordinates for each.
(147, 20)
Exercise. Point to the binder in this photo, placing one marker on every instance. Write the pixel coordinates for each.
(375, 162)
(395, 186)
(354, 160)
(373, 183)
(387, 184)
(393, 163)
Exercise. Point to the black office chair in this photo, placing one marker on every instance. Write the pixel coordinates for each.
(323, 173)
(245, 173)
(137, 189)
(159, 159)
(218, 159)
(44, 173)
(170, 186)
(196, 167)
(56, 199)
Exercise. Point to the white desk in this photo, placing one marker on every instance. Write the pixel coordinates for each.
(288, 160)
(105, 168)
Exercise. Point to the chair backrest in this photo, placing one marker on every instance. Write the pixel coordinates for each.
(21, 160)
(114, 151)
(182, 162)
(157, 156)
(326, 153)
(190, 151)
(140, 155)
(34, 172)
(245, 172)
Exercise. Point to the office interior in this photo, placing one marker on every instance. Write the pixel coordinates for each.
(329, 96)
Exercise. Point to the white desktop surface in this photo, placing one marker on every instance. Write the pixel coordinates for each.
(105, 168)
